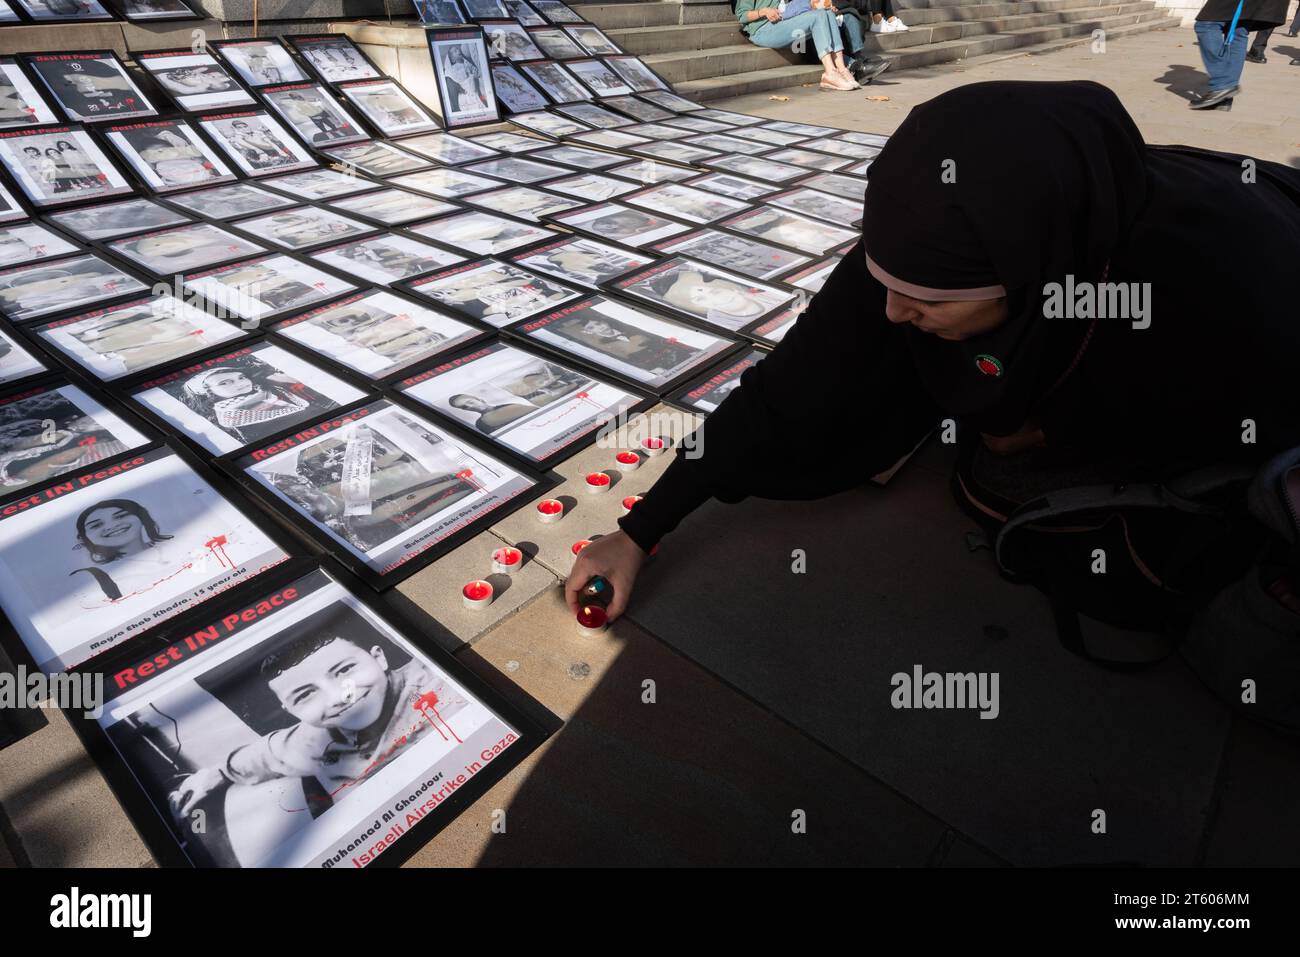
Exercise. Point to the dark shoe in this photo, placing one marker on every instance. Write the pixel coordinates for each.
(1254, 57)
(1210, 100)
(1290, 33)
(864, 71)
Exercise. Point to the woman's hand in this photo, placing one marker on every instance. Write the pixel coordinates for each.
(771, 14)
(617, 559)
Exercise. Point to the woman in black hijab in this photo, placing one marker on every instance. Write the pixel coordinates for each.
(991, 203)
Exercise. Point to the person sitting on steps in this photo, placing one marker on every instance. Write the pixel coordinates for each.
(778, 27)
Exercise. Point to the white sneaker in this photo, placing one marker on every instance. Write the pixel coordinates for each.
(896, 25)
(880, 26)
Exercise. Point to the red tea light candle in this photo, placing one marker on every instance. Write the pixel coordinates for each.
(627, 461)
(550, 510)
(592, 620)
(579, 545)
(653, 445)
(507, 560)
(598, 483)
(629, 501)
(477, 595)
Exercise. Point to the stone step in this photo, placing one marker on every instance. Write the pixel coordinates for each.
(652, 13)
(995, 46)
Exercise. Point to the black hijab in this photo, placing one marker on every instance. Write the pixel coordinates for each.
(1017, 184)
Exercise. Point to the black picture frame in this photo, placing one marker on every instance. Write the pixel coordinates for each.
(91, 65)
(308, 45)
(280, 69)
(459, 39)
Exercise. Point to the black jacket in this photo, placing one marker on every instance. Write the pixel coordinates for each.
(1255, 14)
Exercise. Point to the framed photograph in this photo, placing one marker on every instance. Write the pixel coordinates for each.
(91, 86)
(482, 234)
(522, 11)
(226, 402)
(810, 159)
(548, 124)
(122, 550)
(492, 292)
(385, 486)
(610, 139)
(376, 158)
(523, 202)
(260, 61)
(460, 66)
(532, 405)
(513, 169)
(785, 228)
(439, 12)
(259, 291)
(800, 129)
(302, 227)
(599, 78)
(387, 107)
(698, 124)
(508, 40)
(8, 14)
(721, 143)
(507, 142)
(813, 276)
(593, 115)
(842, 148)
(16, 362)
(726, 116)
(180, 249)
(318, 184)
(675, 152)
(378, 334)
(48, 431)
(592, 187)
(227, 202)
(737, 187)
(107, 220)
(705, 393)
(143, 11)
(486, 9)
(21, 104)
(136, 336)
(313, 114)
(639, 77)
(195, 82)
(42, 289)
(386, 258)
(235, 730)
(755, 167)
(334, 58)
(763, 135)
(555, 44)
(556, 82)
(580, 261)
(48, 11)
(30, 242)
(685, 202)
(656, 131)
(57, 165)
(445, 183)
(876, 140)
(652, 351)
(555, 12)
(447, 149)
(620, 224)
(670, 101)
(851, 188)
(819, 205)
(514, 91)
(638, 109)
(857, 169)
(741, 254)
(704, 293)
(392, 207)
(579, 157)
(10, 209)
(648, 170)
(593, 40)
(256, 142)
(168, 155)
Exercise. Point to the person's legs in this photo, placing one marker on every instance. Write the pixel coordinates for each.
(1223, 67)
(853, 33)
(1259, 45)
(811, 25)
(1295, 24)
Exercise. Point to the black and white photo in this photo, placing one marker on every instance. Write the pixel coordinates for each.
(21, 104)
(106, 220)
(812, 276)
(819, 205)
(493, 292)
(302, 227)
(785, 228)
(581, 261)
(377, 333)
(392, 207)
(706, 393)
(756, 167)
(480, 233)
(168, 155)
(513, 169)
(636, 74)
(388, 107)
(258, 290)
(196, 82)
(555, 11)
(593, 115)
(376, 158)
(439, 12)
(671, 101)
(809, 158)
(547, 124)
(136, 336)
(146, 10)
(485, 9)
(639, 109)
(555, 44)
(260, 62)
(523, 202)
(445, 183)
(386, 258)
(313, 114)
(620, 224)
(256, 142)
(54, 165)
(592, 187)
(16, 362)
(334, 58)
(318, 184)
(737, 187)
(593, 40)
(121, 550)
(30, 242)
(837, 184)
(42, 289)
(556, 82)
(703, 293)
(508, 40)
(225, 202)
(91, 86)
(534, 406)
(522, 11)
(460, 65)
(515, 91)
(58, 10)
(685, 202)
(226, 402)
(599, 78)
(447, 149)
(181, 249)
(742, 254)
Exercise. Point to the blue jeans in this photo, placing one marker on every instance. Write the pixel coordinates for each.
(1225, 70)
(853, 33)
(819, 24)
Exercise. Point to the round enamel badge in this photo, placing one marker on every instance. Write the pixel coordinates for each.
(988, 365)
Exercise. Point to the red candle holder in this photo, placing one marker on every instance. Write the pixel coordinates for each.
(507, 560)
(592, 620)
(550, 510)
(477, 595)
(627, 461)
(629, 501)
(598, 483)
(653, 445)
(579, 545)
